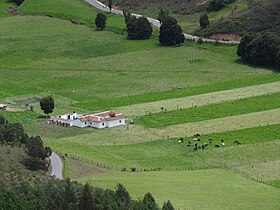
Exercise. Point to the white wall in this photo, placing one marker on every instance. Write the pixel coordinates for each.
(80, 124)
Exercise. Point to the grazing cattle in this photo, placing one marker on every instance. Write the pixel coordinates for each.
(216, 145)
(199, 147)
(236, 142)
(190, 142)
(188, 145)
(196, 135)
(222, 140)
(194, 149)
(195, 144)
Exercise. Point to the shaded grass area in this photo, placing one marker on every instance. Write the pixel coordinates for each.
(256, 104)
(77, 10)
(257, 145)
(202, 189)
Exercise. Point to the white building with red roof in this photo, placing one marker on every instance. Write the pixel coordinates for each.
(106, 119)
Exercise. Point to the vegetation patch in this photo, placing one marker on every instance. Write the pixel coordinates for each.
(214, 111)
(191, 188)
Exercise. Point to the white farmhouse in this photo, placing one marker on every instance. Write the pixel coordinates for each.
(106, 119)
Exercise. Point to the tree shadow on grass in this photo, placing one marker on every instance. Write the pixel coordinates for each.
(242, 62)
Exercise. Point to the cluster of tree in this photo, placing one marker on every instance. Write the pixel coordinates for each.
(13, 133)
(47, 104)
(215, 5)
(260, 49)
(66, 195)
(100, 21)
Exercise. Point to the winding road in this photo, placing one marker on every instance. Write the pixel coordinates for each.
(57, 167)
(154, 22)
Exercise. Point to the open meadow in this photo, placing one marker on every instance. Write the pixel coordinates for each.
(164, 91)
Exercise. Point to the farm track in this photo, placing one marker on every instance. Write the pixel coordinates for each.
(138, 134)
(200, 100)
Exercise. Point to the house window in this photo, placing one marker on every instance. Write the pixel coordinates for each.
(103, 124)
(120, 121)
(91, 123)
(85, 123)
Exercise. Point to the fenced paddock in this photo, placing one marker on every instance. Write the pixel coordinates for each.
(26, 102)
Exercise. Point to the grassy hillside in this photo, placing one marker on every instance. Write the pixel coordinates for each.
(191, 189)
(75, 10)
(87, 70)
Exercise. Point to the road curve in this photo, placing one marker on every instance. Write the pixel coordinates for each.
(155, 22)
(56, 165)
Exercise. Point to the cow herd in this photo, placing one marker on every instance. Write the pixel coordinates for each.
(197, 144)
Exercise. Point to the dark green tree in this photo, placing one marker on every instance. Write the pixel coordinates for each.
(35, 147)
(150, 202)
(110, 4)
(245, 46)
(260, 49)
(167, 206)
(47, 104)
(204, 21)
(86, 200)
(100, 20)
(122, 195)
(170, 32)
(70, 198)
(163, 14)
(139, 28)
(264, 49)
(14, 133)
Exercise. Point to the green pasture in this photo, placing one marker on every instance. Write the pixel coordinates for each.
(243, 106)
(75, 10)
(169, 154)
(90, 65)
(176, 93)
(201, 189)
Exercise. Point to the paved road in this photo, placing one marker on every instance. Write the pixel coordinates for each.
(56, 166)
(155, 22)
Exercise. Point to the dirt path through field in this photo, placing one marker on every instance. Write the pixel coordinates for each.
(200, 100)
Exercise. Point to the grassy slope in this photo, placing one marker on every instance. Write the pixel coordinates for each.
(260, 103)
(77, 10)
(203, 189)
(91, 57)
(170, 154)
